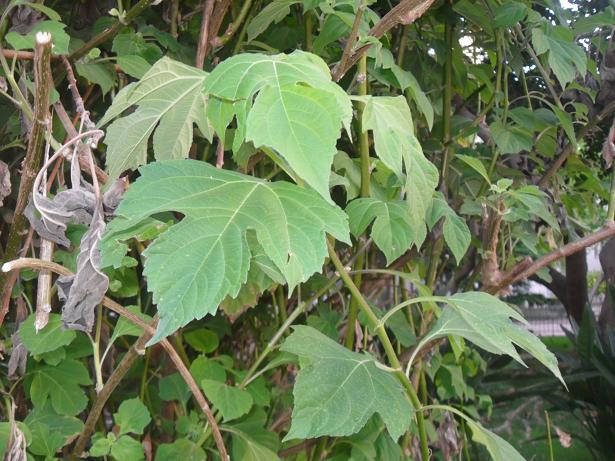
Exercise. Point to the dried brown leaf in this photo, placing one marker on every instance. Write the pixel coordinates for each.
(82, 292)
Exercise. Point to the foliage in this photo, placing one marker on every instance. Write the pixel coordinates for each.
(319, 262)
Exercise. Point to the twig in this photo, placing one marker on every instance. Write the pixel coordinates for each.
(606, 232)
(101, 399)
(79, 105)
(405, 12)
(38, 264)
(203, 46)
(34, 153)
(234, 26)
(352, 38)
(72, 132)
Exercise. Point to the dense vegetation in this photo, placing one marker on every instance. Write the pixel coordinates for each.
(287, 229)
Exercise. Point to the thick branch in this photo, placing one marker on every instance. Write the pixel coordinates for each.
(606, 232)
(38, 264)
(406, 12)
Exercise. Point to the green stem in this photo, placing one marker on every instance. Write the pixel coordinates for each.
(281, 301)
(276, 337)
(363, 136)
(549, 440)
(96, 350)
(309, 26)
(365, 192)
(446, 105)
(245, 8)
(378, 328)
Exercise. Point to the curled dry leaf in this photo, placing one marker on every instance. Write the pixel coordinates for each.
(82, 292)
(5, 181)
(17, 443)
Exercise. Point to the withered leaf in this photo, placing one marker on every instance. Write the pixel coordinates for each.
(69, 206)
(51, 215)
(82, 292)
(5, 181)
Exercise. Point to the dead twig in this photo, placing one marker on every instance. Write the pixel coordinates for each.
(34, 154)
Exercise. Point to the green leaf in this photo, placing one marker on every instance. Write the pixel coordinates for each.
(476, 165)
(485, 320)
(132, 416)
(129, 43)
(408, 81)
(297, 111)
(456, 232)
(59, 37)
(203, 368)
(101, 445)
(195, 264)
(50, 431)
(134, 65)
(337, 390)
(232, 401)
(566, 57)
(392, 230)
(391, 122)
(509, 14)
(183, 449)
(124, 327)
(510, 139)
(275, 12)
(202, 340)
(50, 338)
(51, 14)
(498, 448)
(127, 449)
(98, 73)
(60, 384)
(169, 100)
(251, 441)
(173, 387)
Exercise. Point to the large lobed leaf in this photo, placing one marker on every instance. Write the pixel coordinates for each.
(486, 321)
(195, 264)
(297, 110)
(169, 100)
(338, 390)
